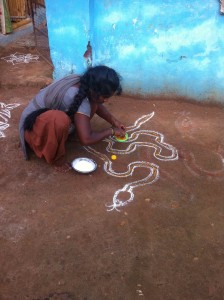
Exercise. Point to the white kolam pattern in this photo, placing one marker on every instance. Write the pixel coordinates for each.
(134, 132)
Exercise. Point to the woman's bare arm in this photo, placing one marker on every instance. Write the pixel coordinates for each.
(107, 116)
(86, 135)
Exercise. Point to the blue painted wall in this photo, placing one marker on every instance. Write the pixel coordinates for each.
(158, 46)
(68, 32)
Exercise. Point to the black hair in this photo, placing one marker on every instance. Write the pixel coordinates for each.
(101, 80)
(31, 118)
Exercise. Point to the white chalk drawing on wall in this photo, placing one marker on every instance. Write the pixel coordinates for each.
(132, 144)
(19, 58)
(5, 114)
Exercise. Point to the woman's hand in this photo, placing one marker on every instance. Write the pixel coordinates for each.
(119, 132)
(118, 124)
(106, 115)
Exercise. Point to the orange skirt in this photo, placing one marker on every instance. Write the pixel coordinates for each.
(49, 134)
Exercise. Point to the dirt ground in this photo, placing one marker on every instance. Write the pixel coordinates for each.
(164, 240)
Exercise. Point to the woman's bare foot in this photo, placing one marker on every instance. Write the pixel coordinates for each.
(62, 166)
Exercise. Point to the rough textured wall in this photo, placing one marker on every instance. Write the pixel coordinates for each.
(163, 46)
(158, 46)
(68, 29)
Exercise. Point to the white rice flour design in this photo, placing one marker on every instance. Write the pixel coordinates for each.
(5, 114)
(133, 144)
(18, 58)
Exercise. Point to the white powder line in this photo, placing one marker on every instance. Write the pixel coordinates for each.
(139, 122)
(151, 178)
(3, 126)
(19, 58)
(5, 114)
(159, 138)
(133, 145)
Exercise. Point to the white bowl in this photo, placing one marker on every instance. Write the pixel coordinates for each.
(84, 165)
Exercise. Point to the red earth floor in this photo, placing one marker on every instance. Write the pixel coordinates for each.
(58, 237)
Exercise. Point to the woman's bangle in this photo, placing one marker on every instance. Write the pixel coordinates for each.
(113, 132)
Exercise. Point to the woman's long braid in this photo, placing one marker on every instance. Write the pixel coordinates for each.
(79, 97)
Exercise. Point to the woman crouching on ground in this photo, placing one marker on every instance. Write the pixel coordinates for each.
(69, 103)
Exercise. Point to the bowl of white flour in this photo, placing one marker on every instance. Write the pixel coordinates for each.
(84, 165)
